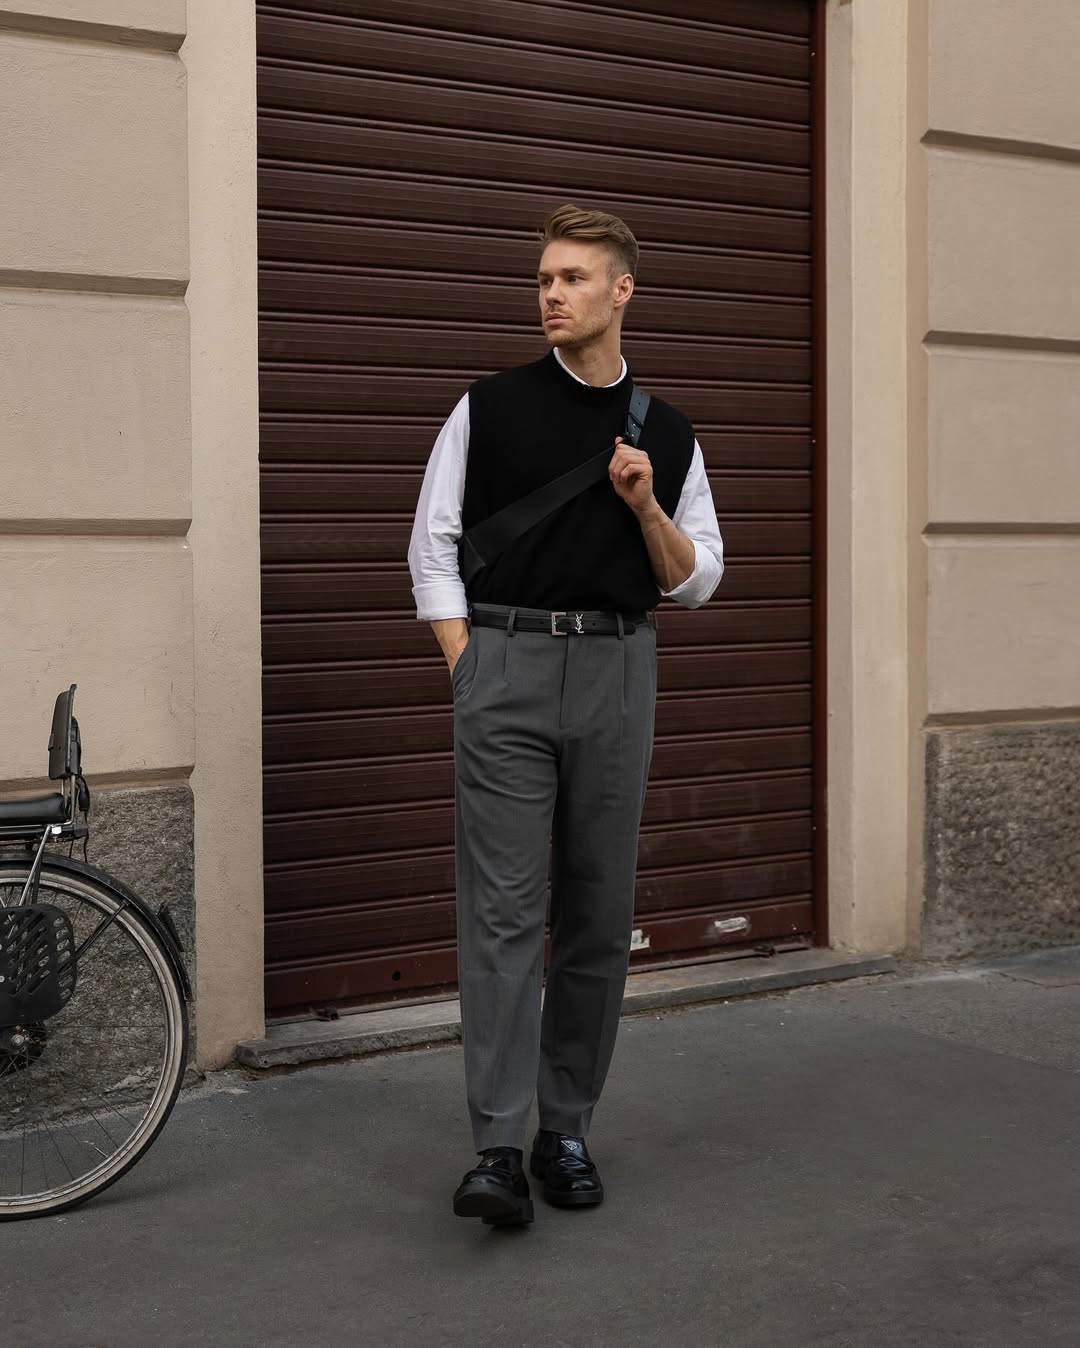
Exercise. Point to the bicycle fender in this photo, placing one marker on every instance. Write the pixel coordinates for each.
(121, 891)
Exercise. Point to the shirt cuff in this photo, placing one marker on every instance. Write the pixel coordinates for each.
(699, 585)
(440, 599)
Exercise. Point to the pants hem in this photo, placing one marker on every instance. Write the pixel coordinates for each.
(498, 1138)
(570, 1126)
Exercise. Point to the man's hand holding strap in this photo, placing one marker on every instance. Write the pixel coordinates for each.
(671, 553)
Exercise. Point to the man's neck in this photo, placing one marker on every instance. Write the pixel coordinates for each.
(597, 364)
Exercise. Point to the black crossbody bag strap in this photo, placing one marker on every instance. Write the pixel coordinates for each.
(486, 540)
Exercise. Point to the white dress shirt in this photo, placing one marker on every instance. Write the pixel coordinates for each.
(433, 556)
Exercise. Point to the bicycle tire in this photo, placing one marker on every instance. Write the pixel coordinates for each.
(95, 892)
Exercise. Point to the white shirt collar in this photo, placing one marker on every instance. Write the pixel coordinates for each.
(622, 372)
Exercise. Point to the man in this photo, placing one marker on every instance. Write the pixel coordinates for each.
(552, 657)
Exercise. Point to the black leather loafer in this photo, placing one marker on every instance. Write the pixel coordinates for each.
(570, 1177)
(497, 1190)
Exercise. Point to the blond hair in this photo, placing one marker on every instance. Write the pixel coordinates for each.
(571, 222)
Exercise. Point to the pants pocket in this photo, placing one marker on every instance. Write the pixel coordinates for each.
(464, 672)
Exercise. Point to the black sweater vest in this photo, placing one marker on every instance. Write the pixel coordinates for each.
(530, 425)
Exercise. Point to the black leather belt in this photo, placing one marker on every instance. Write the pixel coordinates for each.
(560, 623)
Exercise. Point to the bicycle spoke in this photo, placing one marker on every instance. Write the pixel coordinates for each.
(41, 1154)
(80, 1142)
(62, 1073)
(63, 1159)
(9, 1067)
(108, 1105)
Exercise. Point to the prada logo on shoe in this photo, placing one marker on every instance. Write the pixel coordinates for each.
(571, 1145)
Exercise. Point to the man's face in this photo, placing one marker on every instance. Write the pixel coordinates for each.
(579, 296)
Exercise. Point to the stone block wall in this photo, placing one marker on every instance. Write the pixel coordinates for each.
(1003, 854)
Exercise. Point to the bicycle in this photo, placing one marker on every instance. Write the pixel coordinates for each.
(93, 1002)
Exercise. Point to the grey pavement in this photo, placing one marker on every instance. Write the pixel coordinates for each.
(890, 1161)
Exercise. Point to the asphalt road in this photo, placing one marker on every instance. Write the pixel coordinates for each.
(887, 1162)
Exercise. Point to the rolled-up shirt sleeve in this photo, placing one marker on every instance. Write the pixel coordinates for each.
(695, 516)
(433, 548)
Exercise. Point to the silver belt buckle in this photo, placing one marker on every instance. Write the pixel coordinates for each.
(579, 630)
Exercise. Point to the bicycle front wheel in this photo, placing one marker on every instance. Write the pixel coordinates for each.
(86, 1090)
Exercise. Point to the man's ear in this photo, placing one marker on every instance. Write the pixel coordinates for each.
(624, 288)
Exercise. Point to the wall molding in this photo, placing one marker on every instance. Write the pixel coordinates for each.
(989, 533)
(937, 339)
(82, 30)
(170, 287)
(128, 530)
(1000, 145)
(1020, 716)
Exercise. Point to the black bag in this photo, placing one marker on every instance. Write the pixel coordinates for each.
(486, 540)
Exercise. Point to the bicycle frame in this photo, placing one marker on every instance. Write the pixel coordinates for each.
(27, 835)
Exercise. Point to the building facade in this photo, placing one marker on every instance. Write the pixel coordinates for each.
(857, 222)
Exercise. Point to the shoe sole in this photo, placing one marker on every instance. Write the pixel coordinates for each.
(588, 1199)
(493, 1208)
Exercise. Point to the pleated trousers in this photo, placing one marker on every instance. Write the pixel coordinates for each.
(552, 742)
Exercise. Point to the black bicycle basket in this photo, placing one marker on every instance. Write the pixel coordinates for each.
(37, 967)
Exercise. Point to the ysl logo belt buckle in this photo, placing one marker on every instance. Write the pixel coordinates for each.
(578, 630)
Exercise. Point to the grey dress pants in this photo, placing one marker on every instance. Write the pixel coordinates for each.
(552, 741)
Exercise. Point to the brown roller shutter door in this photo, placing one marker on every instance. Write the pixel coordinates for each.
(408, 150)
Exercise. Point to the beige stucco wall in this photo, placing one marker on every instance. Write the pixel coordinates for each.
(84, 196)
(94, 378)
(95, 397)
(1003, 357)
(1006, 70)
(995, 473)
(953, 207)
(1005, 425)
(129, 406)
(114, 616)
(223, 301)
(868, 540)
(1004, 631)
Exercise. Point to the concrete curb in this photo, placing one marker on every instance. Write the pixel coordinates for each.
(746, 978)
(398, 1027)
